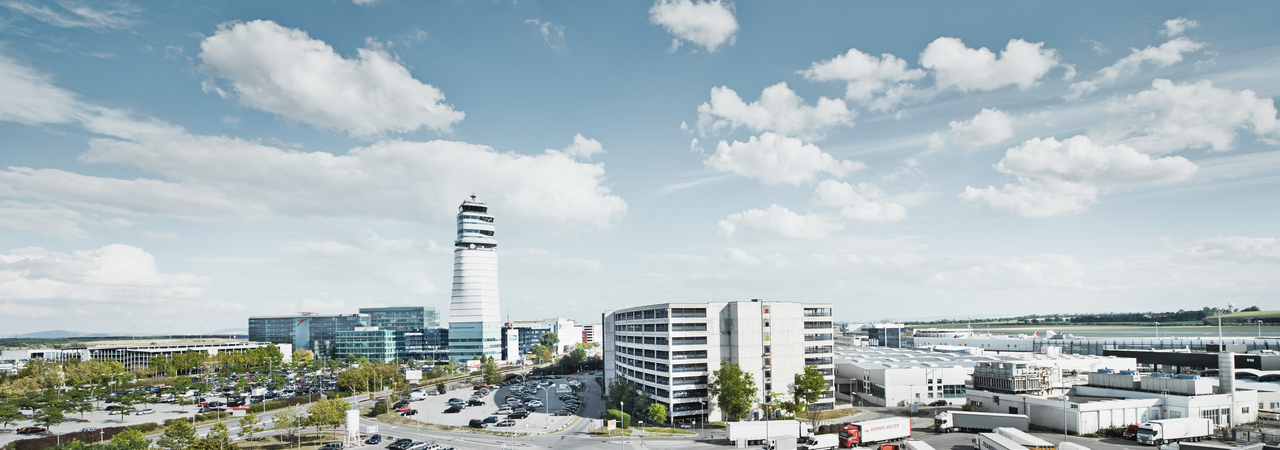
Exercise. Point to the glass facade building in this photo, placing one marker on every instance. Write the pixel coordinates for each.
(315, 332)
(428, 344)
(369, 343)
(401, 320)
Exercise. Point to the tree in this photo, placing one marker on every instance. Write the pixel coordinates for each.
(9, 414)
(218, 438)
(551, 341)
(489, 367)
(50, 415)
(249, 425)
(130, 439)
(808, 387)
(541, 354)
(78, 401)
(733, 389)
(657, 413)
(626, 395)
(179, 436)
(288, 419)
(440, 388)
(327, 413)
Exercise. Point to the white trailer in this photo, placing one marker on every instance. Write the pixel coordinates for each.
(742, 433)
(948, 421)
(992, 441)
(1071, 446)
(823, 441)
(1159, 432)
(916, 445)
(781, 443)
(1027, 440)
(867, 432)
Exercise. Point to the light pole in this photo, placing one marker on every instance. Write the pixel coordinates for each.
(1157, 331)
(1259, 327)
(1222, 345)
(705, 415)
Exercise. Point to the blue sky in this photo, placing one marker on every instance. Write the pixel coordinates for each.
(169, 167)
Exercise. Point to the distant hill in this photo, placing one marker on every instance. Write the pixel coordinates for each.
(59, 334)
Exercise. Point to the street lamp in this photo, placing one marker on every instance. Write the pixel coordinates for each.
(1063, 397)
(1157, 331)
(1259, 327)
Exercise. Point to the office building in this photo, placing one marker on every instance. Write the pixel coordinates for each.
(475, 326)
(402, 319)
(428, 344)
(892, 335)
(592, 333)
(568, 333)
(137, 356)
(670, 350)
(309, 331)
(370, 343)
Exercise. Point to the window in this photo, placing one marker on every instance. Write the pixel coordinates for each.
(688, 312)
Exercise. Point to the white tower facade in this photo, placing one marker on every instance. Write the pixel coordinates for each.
(475, 324)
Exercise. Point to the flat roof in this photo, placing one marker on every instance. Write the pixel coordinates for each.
(907, 358)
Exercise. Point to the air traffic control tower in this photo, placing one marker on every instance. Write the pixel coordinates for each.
(475, 325)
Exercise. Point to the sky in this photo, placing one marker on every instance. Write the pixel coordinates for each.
(175, 168)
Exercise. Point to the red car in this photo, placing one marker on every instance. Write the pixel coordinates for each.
(31, 430)
(402, 408)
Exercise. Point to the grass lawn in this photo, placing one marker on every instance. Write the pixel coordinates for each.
(664, 431)
(310, 440)
(836, 413)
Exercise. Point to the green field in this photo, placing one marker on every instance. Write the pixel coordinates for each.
(1135, 331)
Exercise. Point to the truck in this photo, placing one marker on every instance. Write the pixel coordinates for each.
(993, 441)
(758, 431)
(870, 432)
(948, 421)
(1027, 440)
(916, 445)
(1159, 432)
(781, 443)
(822, 441)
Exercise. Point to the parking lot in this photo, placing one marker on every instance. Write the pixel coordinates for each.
(431, 410)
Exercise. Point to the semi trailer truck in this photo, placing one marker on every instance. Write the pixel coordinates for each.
(750, 432)
(993, 441)
(948, 421)
(870, 432)
(1026, 440)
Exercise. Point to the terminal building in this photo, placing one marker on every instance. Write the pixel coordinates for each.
(306, 331)
(135, 356)
(475, 325)
(670, 350)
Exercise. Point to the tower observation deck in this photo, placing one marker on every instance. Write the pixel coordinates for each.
(475, 324)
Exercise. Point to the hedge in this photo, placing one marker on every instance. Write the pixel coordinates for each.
(621, 417)
(90, 437)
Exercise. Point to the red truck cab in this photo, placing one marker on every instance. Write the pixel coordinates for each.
(1131, 432)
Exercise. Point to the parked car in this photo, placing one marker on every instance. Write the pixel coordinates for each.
(375, 439)
(411, 412)
(477, 423)
(400, 444)
(453, 410)
(491, 419)
(145, 411)
(562, 413)
(507, 423)
(402, 408)
(939, 403)
(475, 402)
(518, 415)
(417, 446)
(31, 430)
(535, 404)
(331, 446)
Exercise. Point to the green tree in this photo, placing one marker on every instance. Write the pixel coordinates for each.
(130, 439)
(440, 388)
(179, 436)
(806, 389)
(627, 396)
(733, 389)
(541, 354)
(657, 414)
(288, 419)
(9, 414)
(303, 356)
(50, 415)
(489, 367)
(327, 413)
(249, 425)
(218, 438)
(551, 341)
(78, 401)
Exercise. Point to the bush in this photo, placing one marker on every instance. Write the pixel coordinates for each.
(624, 419)
(379, 408)
(145, 428)
(1112, 432)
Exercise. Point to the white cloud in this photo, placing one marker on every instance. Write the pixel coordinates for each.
(30, 98)
(956, 66)
(1171, 117)
(779, 110)
(220, 178)
(160, 235)
(1060, 178)
(866, 75)
(116, 273)
(345, 255)
(1006, 272)
(863, 202)
(777, 159)
(988, 127)
(82, 15)
(364, 2)
(1175, 27)
(552, 34)
(283, 71)
(583, 147)
(778, 222)
(706, 23)
(1167, 54)
(49, 219)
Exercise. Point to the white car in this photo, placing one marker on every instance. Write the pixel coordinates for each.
(535, 404)
(145, 411)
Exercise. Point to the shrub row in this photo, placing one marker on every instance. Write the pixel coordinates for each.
(104, 434)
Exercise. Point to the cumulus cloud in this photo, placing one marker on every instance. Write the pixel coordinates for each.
(954, 65)
(866, 75)
(778, 222)
(552, 34)
(220, 178)
(79, 15)
(1060, 178)
(583, 147)
(1006, 272)
(777, 159)
(862, 202)
(283, 71)
(1171, 117)
(988, 127)
(1175, 27)
(114, 273)
(1167, 54)
(49, 219)
(30, 98)
(779, 110)
(707, 23)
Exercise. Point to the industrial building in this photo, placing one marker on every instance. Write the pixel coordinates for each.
(670, 350)
(309, 331)
(1068, 344)
(370, 343)
(475, 323)
(136, 356)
